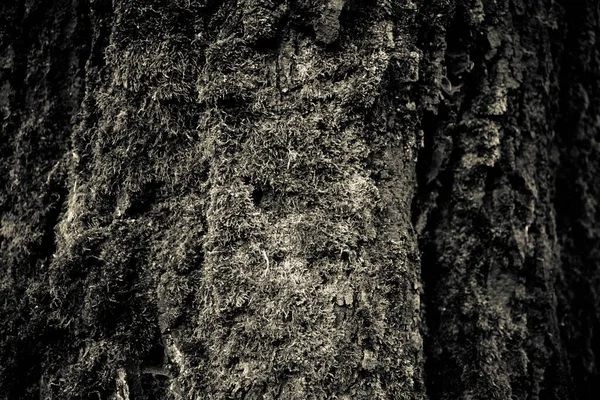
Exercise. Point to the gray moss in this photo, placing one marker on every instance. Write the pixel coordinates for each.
(220, 200)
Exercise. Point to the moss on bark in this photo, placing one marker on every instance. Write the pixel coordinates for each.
(293, 200)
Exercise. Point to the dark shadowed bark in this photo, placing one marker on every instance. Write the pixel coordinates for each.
(325, 199)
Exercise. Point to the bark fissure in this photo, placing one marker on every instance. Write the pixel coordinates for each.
(576, 194)
(464, 183)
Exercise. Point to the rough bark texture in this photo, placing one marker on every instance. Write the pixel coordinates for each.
(325, 199)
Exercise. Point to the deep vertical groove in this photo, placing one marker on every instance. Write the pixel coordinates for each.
(488, 292)
(576, 195)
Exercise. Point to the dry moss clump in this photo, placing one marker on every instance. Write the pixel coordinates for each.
(297, 299)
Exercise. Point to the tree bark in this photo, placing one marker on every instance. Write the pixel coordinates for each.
(329, 199)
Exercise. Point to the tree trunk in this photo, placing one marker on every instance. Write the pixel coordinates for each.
(329, 199)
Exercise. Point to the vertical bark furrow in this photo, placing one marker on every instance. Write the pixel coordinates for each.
(485, 212)
(577, 194)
